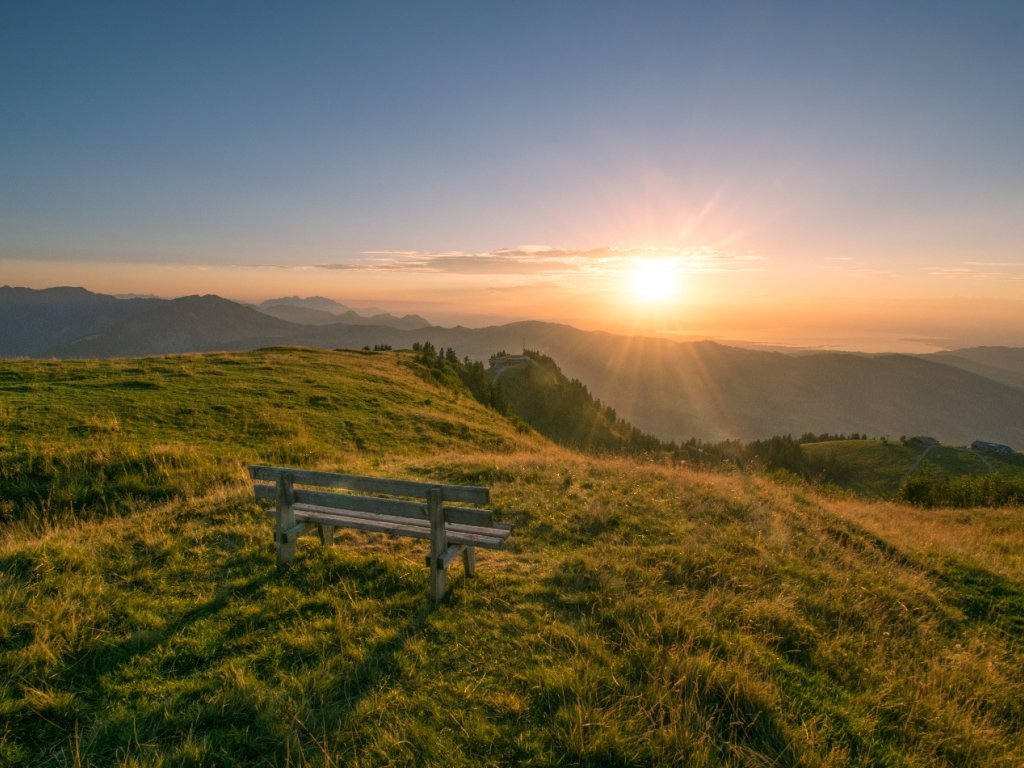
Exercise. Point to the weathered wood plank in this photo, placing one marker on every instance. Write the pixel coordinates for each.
(468, 494)
(469, 560)
(489, 538)
(350, 501)
(303, 510)
(467, 516)
(453, 529)
(396, 526)
(398, 507)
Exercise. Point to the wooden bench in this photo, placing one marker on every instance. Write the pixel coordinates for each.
(421, 513)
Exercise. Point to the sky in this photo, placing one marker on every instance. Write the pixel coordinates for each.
(844, 175)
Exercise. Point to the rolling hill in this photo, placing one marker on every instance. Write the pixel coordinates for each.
(1002, 364)
(640, 614)
(876, 468)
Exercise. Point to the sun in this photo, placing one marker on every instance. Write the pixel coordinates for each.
(653, 282)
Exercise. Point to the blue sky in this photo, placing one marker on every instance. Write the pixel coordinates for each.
(875, 144)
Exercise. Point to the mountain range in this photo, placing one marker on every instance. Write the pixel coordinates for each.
(317, 310)
(675, 390)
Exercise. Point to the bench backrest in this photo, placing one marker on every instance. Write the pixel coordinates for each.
(287, 478)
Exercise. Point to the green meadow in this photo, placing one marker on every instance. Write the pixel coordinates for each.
(640, 614)
(877, 469)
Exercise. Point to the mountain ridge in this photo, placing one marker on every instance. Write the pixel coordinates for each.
(675, 390)
(318, 310)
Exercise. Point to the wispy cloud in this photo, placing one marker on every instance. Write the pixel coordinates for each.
(544, 260)
(980, 270)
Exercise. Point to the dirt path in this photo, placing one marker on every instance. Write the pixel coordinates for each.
(985, 461)
(928, 449)
(917, 462)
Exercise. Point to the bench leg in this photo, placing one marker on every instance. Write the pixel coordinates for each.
(438, 579)
(285, 522)
(327, 534)
(469, 560)
(438, 545)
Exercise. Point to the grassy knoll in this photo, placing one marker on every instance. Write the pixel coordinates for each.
(82, 438)
(640, 615)
(875, 469)
(867, 467)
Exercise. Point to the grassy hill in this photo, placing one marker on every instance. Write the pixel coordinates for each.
(80, 437)
(876, 468)
(640, 615)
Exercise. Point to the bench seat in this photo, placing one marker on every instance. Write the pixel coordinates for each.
(471, 535)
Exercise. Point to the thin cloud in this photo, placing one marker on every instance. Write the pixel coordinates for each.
(535, 260)
(545, 259)
(970, 273)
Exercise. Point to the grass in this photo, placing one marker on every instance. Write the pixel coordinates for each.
(875, 469)
(639, 615)
(868, 467)
(84, 438)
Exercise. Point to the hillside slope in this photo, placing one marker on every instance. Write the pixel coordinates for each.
(1002, 364)
(640, 615)
(877, 468)
(563, 409)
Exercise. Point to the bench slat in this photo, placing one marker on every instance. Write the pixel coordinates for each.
(469, 494)
(361, 521)
(350, 501)
(397, 507)
(496, 532)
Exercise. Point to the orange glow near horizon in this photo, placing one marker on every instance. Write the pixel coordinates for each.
(681, 296)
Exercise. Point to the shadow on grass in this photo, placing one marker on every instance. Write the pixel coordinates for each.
(703, 695)
(984, 597)
(219, 677)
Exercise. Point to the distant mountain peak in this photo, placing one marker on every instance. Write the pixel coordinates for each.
(321, 303)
